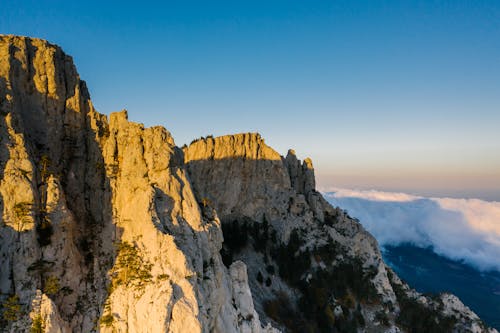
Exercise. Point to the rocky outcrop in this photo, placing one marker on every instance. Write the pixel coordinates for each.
(108, 226)
(301, 175)
(304, 255)
(100, 229)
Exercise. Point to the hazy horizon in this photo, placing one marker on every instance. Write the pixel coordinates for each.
(426, 190)
(464, 230)
(385, 95)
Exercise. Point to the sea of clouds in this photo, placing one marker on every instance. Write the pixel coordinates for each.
(467, 230)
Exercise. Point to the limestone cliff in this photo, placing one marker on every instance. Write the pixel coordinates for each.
(100, 229)
(107, 226)
(312, 268)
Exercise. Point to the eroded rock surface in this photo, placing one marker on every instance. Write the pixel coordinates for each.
(311, 267)
(100, 229)
(107, 226)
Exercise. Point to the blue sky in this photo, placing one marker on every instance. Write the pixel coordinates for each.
(393, 95)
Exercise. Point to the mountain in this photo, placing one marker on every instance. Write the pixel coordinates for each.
(427, 271)
(435, 244)
(109, 226)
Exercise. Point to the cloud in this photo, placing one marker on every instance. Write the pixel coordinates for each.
(460, 229)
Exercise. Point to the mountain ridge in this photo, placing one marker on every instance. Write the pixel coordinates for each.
(108, 226)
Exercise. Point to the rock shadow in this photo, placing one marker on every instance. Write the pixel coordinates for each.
(64, 152)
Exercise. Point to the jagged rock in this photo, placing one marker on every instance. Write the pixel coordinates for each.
(83, 196)
(242, 296)
(46, 315)
(262, 191)
(108, 226)
(301, 175)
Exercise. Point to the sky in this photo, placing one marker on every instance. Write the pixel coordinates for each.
(465, 230)
(387, 95)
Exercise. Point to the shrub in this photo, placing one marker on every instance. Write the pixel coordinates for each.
(51, 285)
(206, 202)
(37, 326)
(381, 317)
(260, 278)
(23, 215)
(280, 310)
(292, 264)
(130, 268)
(327, 252)
(359, 316)
(44, 230)
(11, 308)
(107, 320)
(416, 317)
(235, 238)
(226, 255)
(235, 235)
(44, 167)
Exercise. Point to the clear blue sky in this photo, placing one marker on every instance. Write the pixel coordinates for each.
(394, 95)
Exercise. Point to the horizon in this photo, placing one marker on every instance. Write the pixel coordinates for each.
(424, 194)
(387, 96)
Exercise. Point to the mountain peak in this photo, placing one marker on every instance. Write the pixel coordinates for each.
(108, 226)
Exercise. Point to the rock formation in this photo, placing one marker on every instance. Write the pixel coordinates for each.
(108, 226)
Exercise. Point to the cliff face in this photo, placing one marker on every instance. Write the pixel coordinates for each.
(100, 229)
(312, 268)
(108, 226)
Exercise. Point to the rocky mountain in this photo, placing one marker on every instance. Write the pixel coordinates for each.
(108, 226)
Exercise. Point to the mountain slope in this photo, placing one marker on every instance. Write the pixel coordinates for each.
(329, 270)
(100, 228)
(108, 226)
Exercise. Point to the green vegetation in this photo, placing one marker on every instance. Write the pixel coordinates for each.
(268, 281)
(280, 309)
(162, 277)
(381, 317)
(44, 168)
(51, 285)
(130, 268)
(292, 264)
(260, 278)
(11, 309)
(210, 136)
(327, 252)
(107, 320)
(330, 220)
(347, 283)
(37, 325)
(86, 248)
(270, 269)
(416, 317)
(23, 215)
(235, 238)
(206, 202)
(44, 230)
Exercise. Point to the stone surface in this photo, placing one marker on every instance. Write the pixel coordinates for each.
(78, 191)
(247, 181)
(107, 226)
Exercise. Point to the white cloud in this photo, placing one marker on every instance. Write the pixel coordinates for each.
(460, 229)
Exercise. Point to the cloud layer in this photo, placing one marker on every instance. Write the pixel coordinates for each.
(460, 229)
